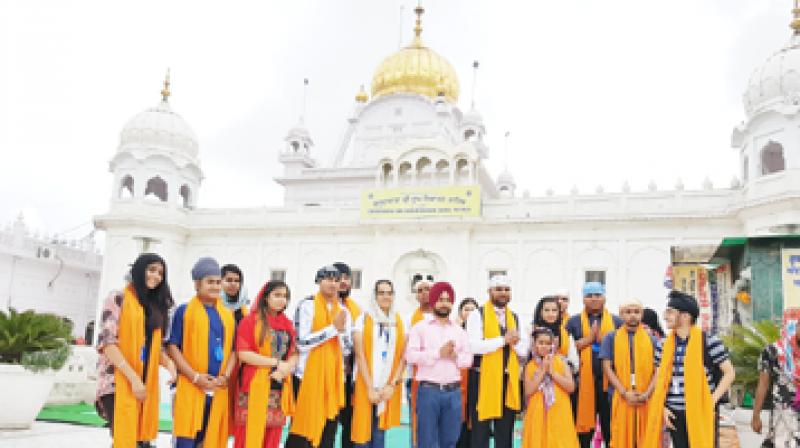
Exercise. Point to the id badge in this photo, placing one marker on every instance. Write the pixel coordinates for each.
(633, 380)
(596, 347)
(218, 353)
(676, 389)
(143, 354)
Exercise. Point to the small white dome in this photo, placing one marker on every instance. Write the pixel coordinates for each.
(472, 117)
(776, 82)
(505, 178)
(160, 127)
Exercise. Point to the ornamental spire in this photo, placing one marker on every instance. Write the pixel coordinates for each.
(165, 91)
(419, 10)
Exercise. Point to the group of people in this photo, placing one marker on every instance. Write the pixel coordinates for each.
(336, 371)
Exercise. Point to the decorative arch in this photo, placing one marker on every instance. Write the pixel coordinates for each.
(404, 173)
(424, 170)
(157, 187)
(772, 158)
(186, 196)
(126, 187)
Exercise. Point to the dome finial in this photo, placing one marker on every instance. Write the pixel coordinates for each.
(165, 90)
(475, 65)
(795, 25)
(419, 10)
(362, 96)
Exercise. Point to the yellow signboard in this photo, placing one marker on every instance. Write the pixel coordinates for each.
(790, 269)
(421, 202)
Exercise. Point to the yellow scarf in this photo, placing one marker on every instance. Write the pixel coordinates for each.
(353, 308)
(321, 393)
(259, 395)
(623, 415)
(551, 428)
(135, 421)
(490, 385)
(585, 420)
(190, 399)
(563, 347)
(362, 408)
(415, 318)
(699, 404)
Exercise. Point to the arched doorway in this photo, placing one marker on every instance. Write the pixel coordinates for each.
(422, 263)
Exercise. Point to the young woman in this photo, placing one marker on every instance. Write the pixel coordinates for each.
(130, 342)
(379, 340)
(548, 382)
(265, 343)
(548, 315)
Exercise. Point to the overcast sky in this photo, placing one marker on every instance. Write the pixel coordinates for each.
(592, 92)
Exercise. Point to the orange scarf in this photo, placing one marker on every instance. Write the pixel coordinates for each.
(353, 308)
(585, 420)
(190, 399)
(135, 421)
(415, 318)
(321, 393)
(623, 416)
(490, 385)
(699, 404)
(259, 395)
(552, 428)
(362, 408)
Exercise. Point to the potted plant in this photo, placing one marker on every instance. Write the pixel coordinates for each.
(32, 347)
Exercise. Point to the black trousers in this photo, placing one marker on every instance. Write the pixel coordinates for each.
(346, 415)
(501, 428)
(680, 436)
(328, 433)
(602, 408)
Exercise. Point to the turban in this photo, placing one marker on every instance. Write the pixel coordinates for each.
(437, 289)
(593, 288)
(205, 267)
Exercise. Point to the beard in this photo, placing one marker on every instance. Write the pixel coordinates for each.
(442, 312)
(343, 294)
(500, 303)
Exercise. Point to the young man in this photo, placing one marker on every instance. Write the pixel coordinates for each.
(346, 414)
(628, 357)
(494, 396)
(421, 289)
(685, 398)
(439, 348)
(201, 344)
(779, 367)
(588, 329)
(323, 328)
(233, 297)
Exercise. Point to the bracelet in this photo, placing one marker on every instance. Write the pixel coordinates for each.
(196, 377)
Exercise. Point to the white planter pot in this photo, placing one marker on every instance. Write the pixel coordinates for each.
(23, 395)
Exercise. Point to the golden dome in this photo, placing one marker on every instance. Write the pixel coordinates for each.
(416, 69)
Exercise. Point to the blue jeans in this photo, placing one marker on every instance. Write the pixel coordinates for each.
(438, 417)
(377, 438)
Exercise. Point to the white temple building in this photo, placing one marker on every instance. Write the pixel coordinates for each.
(408, 145)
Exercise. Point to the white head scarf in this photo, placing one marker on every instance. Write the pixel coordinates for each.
(377, 314)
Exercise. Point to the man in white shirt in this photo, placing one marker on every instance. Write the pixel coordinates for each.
(307, 340)
(500, 347)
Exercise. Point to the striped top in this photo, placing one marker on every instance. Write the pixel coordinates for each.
(716, 352)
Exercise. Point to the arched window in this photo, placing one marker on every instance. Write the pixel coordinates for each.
(404, 173)
(442, 172)
(470, 135)
(462, 171)
(126, 187)
(424, 171)
(745, 168)
(157, 187)
(386, 173)
(772, 159)
(295, 146)
(186, 196)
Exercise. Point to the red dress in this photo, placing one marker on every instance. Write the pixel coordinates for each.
(283, 346)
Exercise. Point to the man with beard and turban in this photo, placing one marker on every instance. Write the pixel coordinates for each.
(588, 329)
(439, 349)
(685, 396)
(494, 397)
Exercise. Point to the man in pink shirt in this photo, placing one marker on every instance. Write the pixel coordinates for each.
(439, 348)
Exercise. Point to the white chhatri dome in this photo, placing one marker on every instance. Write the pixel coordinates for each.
(776, 82)
(159, 127)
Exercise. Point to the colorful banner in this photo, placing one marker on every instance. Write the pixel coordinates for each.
(790, 270)
(693, 279)
(421, 202)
